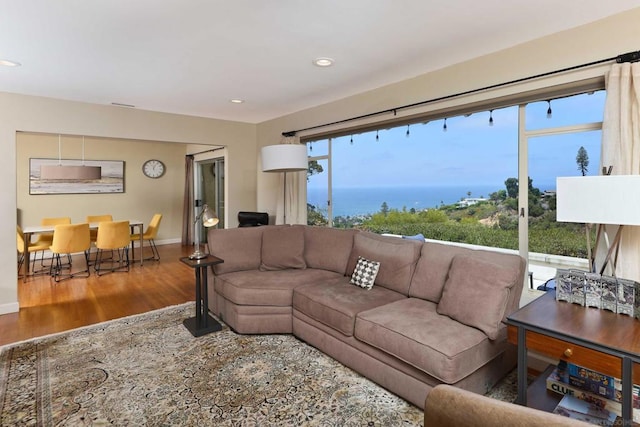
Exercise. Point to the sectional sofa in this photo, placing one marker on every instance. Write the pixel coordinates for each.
(448, 406)
(434, 314)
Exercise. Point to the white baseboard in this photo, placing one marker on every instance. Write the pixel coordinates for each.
(168, 241)
(11, 307)
(136, 243)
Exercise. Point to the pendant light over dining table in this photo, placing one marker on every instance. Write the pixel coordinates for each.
(70, 172)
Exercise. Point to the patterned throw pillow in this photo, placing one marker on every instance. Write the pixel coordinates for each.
(364, 275)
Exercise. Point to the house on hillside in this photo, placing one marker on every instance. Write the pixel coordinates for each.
(470, 201)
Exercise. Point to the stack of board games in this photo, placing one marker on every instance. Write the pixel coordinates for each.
(603, 391)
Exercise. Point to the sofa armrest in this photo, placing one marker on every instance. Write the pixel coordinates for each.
(448, 406)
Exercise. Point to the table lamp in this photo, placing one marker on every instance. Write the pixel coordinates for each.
(209, 219)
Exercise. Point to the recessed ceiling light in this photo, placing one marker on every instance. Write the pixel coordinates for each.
(236, 101)
(323, 62)
(8, 63)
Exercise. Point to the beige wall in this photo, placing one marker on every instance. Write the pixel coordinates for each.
(45, 115)
(142, 197)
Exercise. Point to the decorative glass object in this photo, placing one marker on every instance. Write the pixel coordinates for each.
(626, 297)
(570, 286)
(609, 287)
(592, 290)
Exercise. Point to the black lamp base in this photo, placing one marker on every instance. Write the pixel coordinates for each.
(192, 325)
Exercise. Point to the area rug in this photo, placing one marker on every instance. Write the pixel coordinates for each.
(149, 370)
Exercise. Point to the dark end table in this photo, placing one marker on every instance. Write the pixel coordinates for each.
(202, 323)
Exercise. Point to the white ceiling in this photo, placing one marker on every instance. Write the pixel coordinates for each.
(193, 56)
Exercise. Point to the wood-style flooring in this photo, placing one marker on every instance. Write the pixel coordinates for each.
(47, 307)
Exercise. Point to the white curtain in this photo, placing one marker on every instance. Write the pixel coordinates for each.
(296, 208)
(621, 149)
(295, 193)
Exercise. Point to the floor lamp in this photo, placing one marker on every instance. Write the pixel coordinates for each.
(601, 200)
(284, 158)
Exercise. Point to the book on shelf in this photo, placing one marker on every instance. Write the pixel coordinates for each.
(578, 409)
(593, 381)
(558, 382)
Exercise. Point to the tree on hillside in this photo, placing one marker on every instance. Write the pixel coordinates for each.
(498, 196)
(512, 187)
(533, 190)
(384, 208)
(314, 169)
(314, 216)
(582, 159)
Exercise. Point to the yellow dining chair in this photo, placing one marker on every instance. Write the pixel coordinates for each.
(149, 235)
(69, 239)
(93, 233)
(47, 238)
(97, 218)
(33, 247)
(113, 236)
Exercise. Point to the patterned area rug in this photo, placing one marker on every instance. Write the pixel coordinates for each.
(149, 370)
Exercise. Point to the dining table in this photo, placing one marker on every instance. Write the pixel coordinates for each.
(31, 230)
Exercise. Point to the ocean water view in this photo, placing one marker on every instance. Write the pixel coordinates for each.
(349, 201)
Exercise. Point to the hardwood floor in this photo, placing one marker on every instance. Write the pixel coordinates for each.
(47, 307)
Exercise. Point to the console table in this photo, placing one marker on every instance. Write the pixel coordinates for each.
(596, 339)
(202, 323)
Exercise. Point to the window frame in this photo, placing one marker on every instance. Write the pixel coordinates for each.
(439, 112)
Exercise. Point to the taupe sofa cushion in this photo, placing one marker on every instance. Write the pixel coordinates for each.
(282, 247)
(240, 248)
(337, 303)
(477, 292)
(268, 288)
(327, 248)
(432, 269)
(412, 331)
(397, 258)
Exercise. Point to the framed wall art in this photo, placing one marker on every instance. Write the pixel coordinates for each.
(66, 176)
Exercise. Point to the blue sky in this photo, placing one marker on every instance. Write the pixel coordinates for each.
(470, 152)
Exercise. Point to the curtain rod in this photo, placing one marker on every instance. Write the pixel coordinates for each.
(205, 151)
(625, 57)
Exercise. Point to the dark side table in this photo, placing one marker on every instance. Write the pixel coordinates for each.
(596, 339)
(202, 323)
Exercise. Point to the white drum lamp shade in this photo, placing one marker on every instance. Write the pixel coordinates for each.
(604, 199)
(284, 158)
(601, 200)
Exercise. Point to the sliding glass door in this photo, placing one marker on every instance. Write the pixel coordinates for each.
(210, 189)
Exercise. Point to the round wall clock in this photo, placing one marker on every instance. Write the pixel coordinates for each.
(153, 168)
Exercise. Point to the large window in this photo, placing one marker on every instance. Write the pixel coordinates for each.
(457, 179)
(566, 144)
(416, 167)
